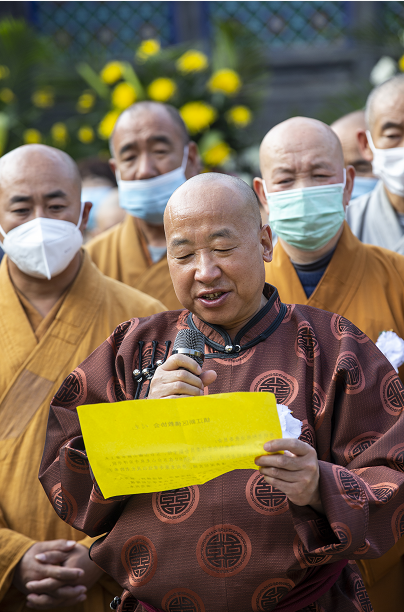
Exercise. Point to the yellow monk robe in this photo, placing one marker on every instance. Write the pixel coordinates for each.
(364, 284)
(121, 253)
(36, 355)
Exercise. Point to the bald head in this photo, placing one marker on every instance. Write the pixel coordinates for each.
(384, 97)
(347, 129)
(37, 160)
(212, 188)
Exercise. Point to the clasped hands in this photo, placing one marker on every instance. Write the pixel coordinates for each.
(55, 573)
(295, 472)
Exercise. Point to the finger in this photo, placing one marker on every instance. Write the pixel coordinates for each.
(62, 545)
(54, 557)
(208, 377)
(297, 447)
(60, 572)
(47, 602)
(174, 362)
(282, 475)
(47, 585)
(179, 387)
(285, 462)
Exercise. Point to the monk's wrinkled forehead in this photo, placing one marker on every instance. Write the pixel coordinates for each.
(211, 200)
(298, 141)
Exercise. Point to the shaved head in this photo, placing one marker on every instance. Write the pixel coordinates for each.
(347, 129)
(37, 156)
(351, 121)
(385, 94)
(209, 186)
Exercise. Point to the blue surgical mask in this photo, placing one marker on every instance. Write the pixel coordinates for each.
(147, 199)
(95, 195)
(307, 218)
(362, 185)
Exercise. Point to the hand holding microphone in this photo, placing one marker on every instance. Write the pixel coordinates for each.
(181, 375)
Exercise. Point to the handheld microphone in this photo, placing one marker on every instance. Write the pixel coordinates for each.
(190, 342)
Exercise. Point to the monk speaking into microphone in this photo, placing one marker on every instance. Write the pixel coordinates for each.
(274, 539)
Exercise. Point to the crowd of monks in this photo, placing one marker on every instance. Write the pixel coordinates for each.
(192, 251)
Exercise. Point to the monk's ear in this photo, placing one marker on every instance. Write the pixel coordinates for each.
(350, 177)
(194, 165)
(258, 185)
(266, 242)
(112, 165)
(364, 145)
(86, 212)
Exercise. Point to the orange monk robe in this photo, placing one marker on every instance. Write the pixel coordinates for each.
(36, 355)
(364, 284)
(121, 253)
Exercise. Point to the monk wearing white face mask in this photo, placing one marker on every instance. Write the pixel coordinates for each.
(55, 308)
(378, 217)
(152, 155)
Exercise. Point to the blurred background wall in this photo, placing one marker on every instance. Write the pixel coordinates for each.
(315, 58)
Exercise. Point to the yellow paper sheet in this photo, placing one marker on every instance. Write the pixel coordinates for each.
(155, 445)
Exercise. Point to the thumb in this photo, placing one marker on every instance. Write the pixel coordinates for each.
(208, 377)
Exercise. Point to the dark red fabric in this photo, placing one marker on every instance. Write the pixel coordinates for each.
(235, 542)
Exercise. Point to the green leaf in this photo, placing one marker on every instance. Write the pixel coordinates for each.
(131, 77)
(4, 124)
(209, 139)
(224, 53)
(93, 79)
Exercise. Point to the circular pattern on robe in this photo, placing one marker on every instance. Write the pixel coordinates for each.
(283, 385)
(349, 487)
(397, 523)
(349, 371)
(263, 497)
(362, 549)
(359, 444)
(289, 310)
(344, 534)
(318, 400)
(268, 594)
(308, 435)
(343, 328)
(182, 600)
(307, 346)
(177, 505)
(392, 394)
(73, 391)
(120, 333)
(76, 462)
(128, 603)
(64, 503)
(97, 497)
(239, 360)
(383, 492)
(395, 457)
(362, 602)
(139, 559)
(115, 391)
(305, 558)
(223, 550)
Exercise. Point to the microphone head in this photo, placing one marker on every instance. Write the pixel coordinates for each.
(190, 342)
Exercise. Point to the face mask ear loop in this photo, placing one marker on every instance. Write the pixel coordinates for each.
(81, 215)
(370, 141)
(2, 232)
(185, 157)
(344, 179)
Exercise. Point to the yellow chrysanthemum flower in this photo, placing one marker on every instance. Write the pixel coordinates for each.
(32, 136)
(161, 89)
(239, 115)
(192, 61)
(148, 48)
(123, 95)
(225, 81)
(86, 134)
(59, 133)
(112, 72)
(401, 63)
(43, 98)
(217, 155)
(86, 102)
(4, 72)
(197, 116)
(107, 124)
(6, 95)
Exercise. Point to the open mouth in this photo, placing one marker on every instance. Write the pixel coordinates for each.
(212, 296)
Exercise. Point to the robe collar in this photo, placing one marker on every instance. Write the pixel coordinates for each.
(258, 328)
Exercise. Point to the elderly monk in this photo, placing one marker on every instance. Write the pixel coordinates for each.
(319, 262)
(347, 128)
(247, 540)
(56, 308)
(152, 155)
(378, 217)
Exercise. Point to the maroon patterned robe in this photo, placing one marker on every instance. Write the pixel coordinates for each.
(235, 543)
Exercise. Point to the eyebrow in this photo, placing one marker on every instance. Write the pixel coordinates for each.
(222, 233)
(153, 139)
(391, 124)
(312, 167)
(58, 193)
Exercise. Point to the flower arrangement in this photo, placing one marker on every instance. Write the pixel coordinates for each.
(76, 108)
